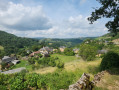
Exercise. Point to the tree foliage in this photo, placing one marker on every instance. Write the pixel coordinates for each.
(12, 43)
(87, 52)
(110, 60)
(68, 51)
(108, 9)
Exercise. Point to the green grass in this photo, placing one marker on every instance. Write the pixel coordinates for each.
(1, 48)
(65, 58)
(23, 63)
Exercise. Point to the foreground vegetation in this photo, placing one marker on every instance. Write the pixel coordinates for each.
(59, 79)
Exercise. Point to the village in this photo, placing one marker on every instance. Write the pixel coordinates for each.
(44, 52)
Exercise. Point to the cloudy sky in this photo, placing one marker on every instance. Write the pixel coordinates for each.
(50, 18)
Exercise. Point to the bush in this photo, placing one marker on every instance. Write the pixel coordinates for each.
(31, 79)
(17, 83)
(60, 64)
(31, 60)
(3, 79)
(3, 87)
(42, 83)
(3, 65)
(110, 60)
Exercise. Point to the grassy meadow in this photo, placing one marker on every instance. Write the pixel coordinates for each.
(65, 58)
(73, 64)
(23, 63)
(1, 48)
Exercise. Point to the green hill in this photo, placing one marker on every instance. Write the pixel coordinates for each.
(109, 36)
(68, 42)
(12, 43)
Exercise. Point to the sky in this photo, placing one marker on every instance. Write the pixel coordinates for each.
(50, 18)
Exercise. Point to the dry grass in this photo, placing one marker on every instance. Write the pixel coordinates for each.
(1, 48)
(45, 70)
(0, 67)
(80, 64)
(110, 82)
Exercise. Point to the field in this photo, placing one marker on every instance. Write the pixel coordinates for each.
(23, 63)
(73, 64)
(1, 48)
(65, 58)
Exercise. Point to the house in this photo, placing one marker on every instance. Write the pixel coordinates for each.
(76, 50)
(7, 59)
(45, 51)
(62, 48)
(102, 51)
(99, 52)
(34, 53)
(55, 50)
(15, 62)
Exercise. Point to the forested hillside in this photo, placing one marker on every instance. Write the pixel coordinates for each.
(12, 43)
(61, 42)
(68, 42)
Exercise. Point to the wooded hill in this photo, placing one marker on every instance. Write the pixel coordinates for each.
(12, 43)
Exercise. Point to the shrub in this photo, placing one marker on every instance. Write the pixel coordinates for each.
(110, 60)
(60, 64)
(2, 87)
(42, 83)
(3, 65)
(31, 79)
(17, 83)
(3, 79)
(31, 60)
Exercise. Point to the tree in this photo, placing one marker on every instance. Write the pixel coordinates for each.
(108, 9)
(87, 52)
(68, 51)
(2, 53)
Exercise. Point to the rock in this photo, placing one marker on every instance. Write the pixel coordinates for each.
(98, 77)
(83, 83)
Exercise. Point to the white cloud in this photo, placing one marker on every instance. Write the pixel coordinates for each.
(29, 21)
(71, 28)
(20, 17)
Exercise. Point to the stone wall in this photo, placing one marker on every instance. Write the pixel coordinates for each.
(84, 82)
